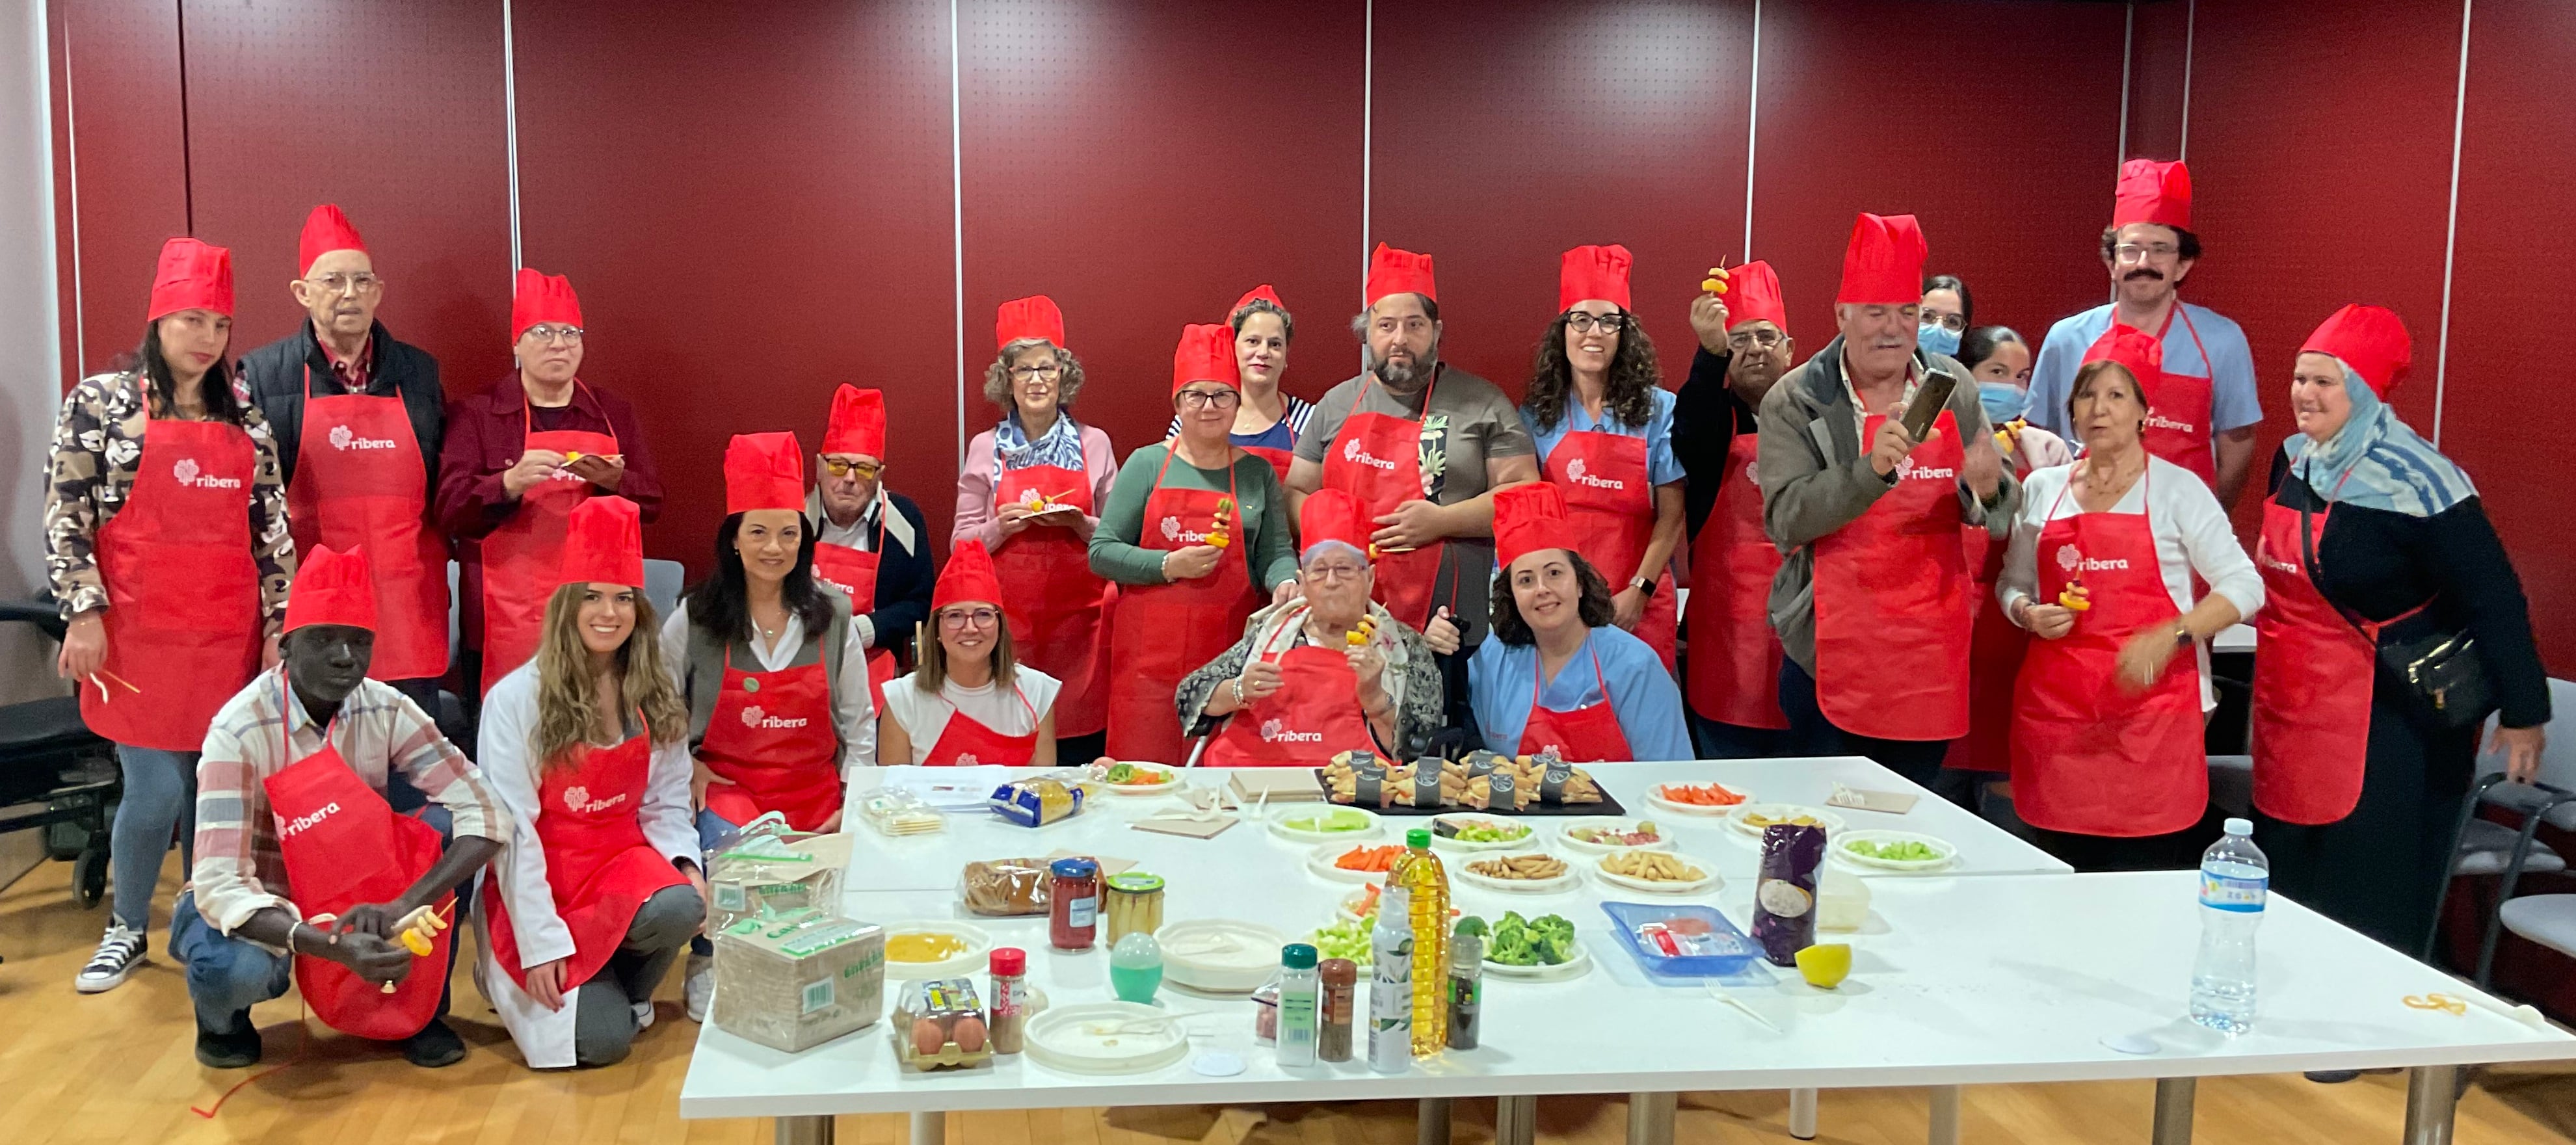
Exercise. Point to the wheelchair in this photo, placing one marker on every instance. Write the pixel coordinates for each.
(56, 775)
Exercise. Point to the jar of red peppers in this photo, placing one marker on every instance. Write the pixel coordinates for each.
(1073, 904)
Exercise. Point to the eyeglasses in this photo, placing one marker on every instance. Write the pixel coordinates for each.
(1336, 572)
(1946, 321)
(1033, 373)
(969, 617)
(867, 470)
(359, 283)
(1582, 322)
(1746, 339)
(2133, 252)
(1202, 399)
(568, 335)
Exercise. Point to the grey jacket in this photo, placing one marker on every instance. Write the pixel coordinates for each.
(1816, 478)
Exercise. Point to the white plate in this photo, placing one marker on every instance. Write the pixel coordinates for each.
(1654, 795)
(1837, 845)
(1566, 881)
(1708, 871)
(1219, 955)
(1279, 818)
(1107, 1037)
(1832, 823)
(1528, 839)
(1320, 861)
(1166, 787)
(1574, 967)
(1565, 835)
(970, 961)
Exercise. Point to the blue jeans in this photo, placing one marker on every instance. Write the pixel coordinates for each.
(1812, 733)
(160, 797)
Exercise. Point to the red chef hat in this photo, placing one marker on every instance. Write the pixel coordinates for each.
(2140, 353)
(969, 576)
(1529, 517)
(325, 230)
(192, 276)
(2152, 192)
(604, 543)
(858, 423)
(764, 471)
(1593, 272)
(1261, 293)
(1753, 292)
(1393, 271)
(332, 588)
(1206, 354)
(540, 298)
(1035, 316)
(2370, 339)
(1883, 266)
(1335, 515)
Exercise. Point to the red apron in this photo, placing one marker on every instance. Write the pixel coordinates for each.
(1994, 656)
(855, 574)
(2088, 755)
(1376, 458)
(1734, 671)
(1891, 592)
(969, 742)
(2178, 411)
(2314, 676)
(772, 735)
(1610, 506)
(343, 845)
(598, 865)
(1315, 712)
(184, 615)
(360, 479)
(1162, 632)
(1054, 603)
(523, 558)
(1588, 734)
(1279, 459)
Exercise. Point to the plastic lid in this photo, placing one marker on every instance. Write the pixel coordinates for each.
(2240, 826)
(1341, 970)
(1009, 961)
(1135, 882)
(1297, 956)
(1418, 838)
(1074, 868)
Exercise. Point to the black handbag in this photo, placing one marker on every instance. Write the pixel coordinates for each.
(2445, 677)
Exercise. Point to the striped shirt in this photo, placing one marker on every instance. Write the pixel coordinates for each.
(238, 870)
(1282, 434)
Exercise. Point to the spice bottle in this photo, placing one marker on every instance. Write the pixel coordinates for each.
(1073, 907)
(1466, 988)
(1009, 1015)
(1341, 979)
(1299, 999)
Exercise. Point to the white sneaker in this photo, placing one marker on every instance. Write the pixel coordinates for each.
(643, 1016)
(119, 952)
(699, 985)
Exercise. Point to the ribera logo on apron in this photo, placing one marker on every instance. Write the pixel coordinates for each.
(1315, 713)
(1891, 598)
(1610, 506)
(1056, 606)
(771, 737)
(2179, 408)
(522, 557)
(1734, 669)
(363, 481)
(599, 867)
(1163, 632)
(1378, 461)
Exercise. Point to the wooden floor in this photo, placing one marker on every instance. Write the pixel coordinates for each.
(119, 1067)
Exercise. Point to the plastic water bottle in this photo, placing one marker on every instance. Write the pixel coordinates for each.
(2234, 880)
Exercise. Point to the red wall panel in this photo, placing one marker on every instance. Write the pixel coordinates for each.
(2517, 190)
(2160, 44)
(753, 203)
(292, 104)
(1511, 131)
(119, 96)
(1997, 125)
(1146, 163)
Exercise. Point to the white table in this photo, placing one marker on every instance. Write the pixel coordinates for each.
(2233, 638)
(2010, 972)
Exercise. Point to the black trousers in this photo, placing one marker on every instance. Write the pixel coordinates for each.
(1810, 733)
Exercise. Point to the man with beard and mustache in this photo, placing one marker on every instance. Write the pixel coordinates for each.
(2203, 413)
(1423, 445)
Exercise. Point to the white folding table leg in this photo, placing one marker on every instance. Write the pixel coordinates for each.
(1945, 1115)
(930, 1129)
(2174, 1097)
(1650, 1118)
(1431, 1122)
(2432, 1096)
(802, 1131)
(1802, 1114)
(1516, 1120)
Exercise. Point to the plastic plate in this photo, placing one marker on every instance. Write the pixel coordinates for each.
(1566, 881)
(1574, 967)
(968, 961)
(1566, 836)
(1528, 836)
(1839, 847)
(1320, 861)
(1280, 817)
(1741, 816)
(1655, 796)
(1708, 876)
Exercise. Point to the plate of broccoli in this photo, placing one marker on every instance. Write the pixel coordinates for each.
(1542, 948)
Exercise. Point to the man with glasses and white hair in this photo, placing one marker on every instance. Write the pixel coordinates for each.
(871, 542)
(2203, 413)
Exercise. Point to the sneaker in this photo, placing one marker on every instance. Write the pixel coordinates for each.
(238, 1049)
(434, 1046)
(699, 985)
(643, 1016)
(119, 952)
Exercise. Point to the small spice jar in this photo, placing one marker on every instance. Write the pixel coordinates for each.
(1134, 905)
(1341, 979)
(1005, 1021)
(1073, 908)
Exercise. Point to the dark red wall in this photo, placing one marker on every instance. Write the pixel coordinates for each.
(117, 133)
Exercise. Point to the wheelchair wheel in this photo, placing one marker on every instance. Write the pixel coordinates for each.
(89, 877)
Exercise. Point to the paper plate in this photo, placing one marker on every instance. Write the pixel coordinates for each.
(1565, 835)
(1832, 823)
(1567, 881)
(1219, 955)
(1655, 796)
(1838, 845)
(1320, 861)
(1166, 787)
(1708, 870)
(1279, 823)
(1575, 967)
(1107, 1037)
(1529, 834)
(970, 961)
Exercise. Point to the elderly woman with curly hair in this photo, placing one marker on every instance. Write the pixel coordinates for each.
(1604, 430)
(1031, 490)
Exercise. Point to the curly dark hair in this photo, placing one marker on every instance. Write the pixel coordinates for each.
(1594, 606)
(1634, 377)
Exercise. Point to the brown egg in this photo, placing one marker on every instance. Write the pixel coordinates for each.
(969, 1034)
(928, 1039)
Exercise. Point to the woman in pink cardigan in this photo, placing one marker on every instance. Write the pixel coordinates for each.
(1031, 490)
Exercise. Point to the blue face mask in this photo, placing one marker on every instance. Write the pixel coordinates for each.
(1937, 338)
(2004, 401)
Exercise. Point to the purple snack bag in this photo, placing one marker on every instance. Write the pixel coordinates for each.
(1784, 897)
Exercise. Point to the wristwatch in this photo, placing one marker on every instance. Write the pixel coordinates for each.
(1642, 584)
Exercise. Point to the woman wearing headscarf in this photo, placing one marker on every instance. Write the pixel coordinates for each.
(2371, 536)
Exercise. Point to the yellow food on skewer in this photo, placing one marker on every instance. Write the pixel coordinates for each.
(2075, 597)
(1217, 534)
(1358, 637)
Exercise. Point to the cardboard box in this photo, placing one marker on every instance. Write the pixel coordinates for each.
(796, 981)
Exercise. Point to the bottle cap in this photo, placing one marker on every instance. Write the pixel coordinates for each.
(1340, 971)
(1009, 961)
(1073, 868)
(2240, 826)
(1135, 882)
(1297, 956)
(1418, 838)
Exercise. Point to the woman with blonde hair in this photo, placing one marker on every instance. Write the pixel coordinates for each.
(587, 745)
(971, 701)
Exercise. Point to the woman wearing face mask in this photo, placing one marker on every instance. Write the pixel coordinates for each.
(2000, 362)
(1266, 425)
(2107, 763)
(2371, 536)
(1948, 312)
(971, 701)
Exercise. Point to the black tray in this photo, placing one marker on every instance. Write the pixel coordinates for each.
(1609, 805)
